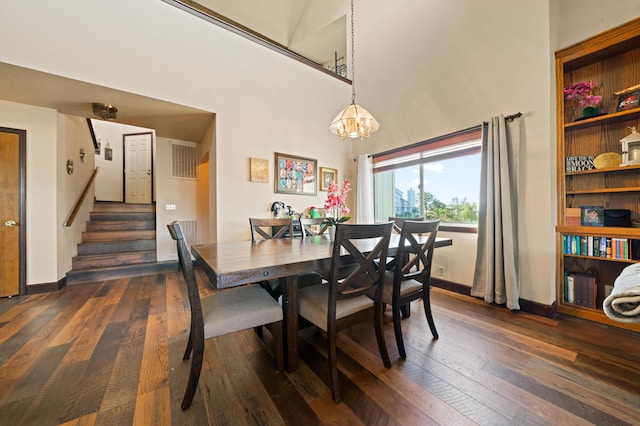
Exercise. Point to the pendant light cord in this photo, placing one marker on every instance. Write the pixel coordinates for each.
(353, 62)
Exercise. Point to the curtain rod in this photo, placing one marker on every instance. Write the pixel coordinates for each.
(507, 118)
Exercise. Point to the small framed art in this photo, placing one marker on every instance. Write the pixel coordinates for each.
(327, 177)
(295, 175)
(591, 216)
(259, 170)
(628, 100)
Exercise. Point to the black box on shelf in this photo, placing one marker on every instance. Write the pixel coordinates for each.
(617, 217)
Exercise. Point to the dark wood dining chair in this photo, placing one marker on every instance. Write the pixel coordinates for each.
(398, 221)
(411, 280)
(397, 228)
(313, 226)
(222, 312)
(268, 228)
(344, 301)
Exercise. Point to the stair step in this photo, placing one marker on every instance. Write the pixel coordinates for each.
(121, 216)
(114, 272)
(89, 237)
(123, 207)
(115, 259)
(118, 225)
(115, 247)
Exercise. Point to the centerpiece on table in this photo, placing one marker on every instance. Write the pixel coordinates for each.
(335, 206)
(583, 93)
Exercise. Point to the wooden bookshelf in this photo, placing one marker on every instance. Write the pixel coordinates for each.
(611, 59)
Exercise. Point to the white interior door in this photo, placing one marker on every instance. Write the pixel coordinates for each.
(137, 168)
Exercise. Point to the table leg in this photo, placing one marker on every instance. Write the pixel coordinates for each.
(290, 314)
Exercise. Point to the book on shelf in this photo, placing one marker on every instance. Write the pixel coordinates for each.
(602, 247)
(580, 289)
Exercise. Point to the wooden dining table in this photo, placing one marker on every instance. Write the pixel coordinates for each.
(230, 264)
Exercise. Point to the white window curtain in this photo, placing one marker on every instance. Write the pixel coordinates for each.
(496, 277)
(364, 189)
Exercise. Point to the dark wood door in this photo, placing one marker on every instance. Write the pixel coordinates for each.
(11, 197)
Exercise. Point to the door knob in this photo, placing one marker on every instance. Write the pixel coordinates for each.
(149, 172)
(10, 223)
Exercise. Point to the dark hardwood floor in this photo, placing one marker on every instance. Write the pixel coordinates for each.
(110, 353)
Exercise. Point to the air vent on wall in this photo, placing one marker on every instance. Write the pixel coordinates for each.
(184, 159)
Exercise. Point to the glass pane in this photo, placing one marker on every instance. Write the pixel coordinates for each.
(452, 189)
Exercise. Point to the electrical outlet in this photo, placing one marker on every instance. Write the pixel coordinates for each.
(170, 206)
(441, 271)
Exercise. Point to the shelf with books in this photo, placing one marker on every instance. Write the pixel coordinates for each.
(586, 176)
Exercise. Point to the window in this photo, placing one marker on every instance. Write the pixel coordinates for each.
(434, 179)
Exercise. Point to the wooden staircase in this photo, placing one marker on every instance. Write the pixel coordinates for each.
(120, 241)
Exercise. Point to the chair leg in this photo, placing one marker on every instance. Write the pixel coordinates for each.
(382, 345)
(426, 303)
(397, 329)
(276, 334)
(405, 310)
(187, 352)
(194, 374)
(333, 364)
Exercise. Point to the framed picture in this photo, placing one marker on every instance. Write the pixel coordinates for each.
(259, 170)
(591, 215)
(295, 175)
(628, 100)
(327, 177)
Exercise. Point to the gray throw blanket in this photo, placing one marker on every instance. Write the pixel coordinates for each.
(623, 304)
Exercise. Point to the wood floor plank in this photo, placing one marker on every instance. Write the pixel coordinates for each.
(155, 358)
(110, 353)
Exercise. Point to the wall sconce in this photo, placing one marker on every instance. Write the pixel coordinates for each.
(69, 166)
(630, 148)
(82, 154)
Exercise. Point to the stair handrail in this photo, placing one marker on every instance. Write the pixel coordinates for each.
(76, 208)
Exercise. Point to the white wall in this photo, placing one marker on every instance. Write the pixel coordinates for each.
(73, 135)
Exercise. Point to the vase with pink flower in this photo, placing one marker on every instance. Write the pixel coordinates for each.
(335, 206)
(582, 93)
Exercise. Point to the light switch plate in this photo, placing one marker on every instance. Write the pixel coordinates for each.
(170, 206)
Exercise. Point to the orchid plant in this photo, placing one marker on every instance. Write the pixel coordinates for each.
(335, 205)
(581, 92)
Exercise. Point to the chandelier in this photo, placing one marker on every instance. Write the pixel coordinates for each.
(353, 121)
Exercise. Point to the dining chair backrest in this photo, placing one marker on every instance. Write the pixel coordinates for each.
(313, 226)
(269, 228)
(184, 258)
(398, 221)
(418, 255)
(366, 273)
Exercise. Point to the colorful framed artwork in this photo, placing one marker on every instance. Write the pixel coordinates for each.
(259, 170)
(295, 175)
(327, 177)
